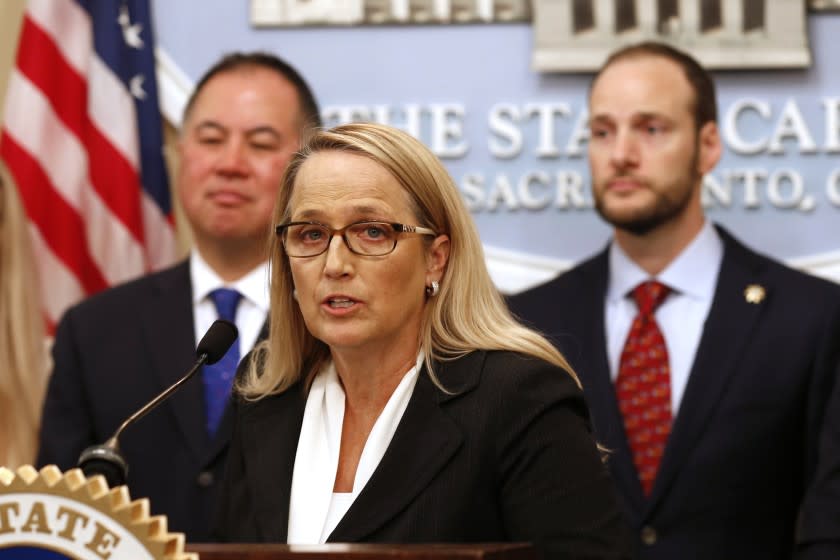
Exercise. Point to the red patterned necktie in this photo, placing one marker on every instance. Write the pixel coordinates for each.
(643, 386)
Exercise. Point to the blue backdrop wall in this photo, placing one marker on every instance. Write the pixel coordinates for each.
(514, 139)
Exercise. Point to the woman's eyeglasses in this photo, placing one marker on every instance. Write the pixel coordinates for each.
(372, 239)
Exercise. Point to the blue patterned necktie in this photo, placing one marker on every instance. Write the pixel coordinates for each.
(218, 378)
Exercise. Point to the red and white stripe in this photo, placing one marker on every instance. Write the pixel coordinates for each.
(77, 169)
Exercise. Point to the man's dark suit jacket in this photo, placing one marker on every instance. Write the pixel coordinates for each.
(819, 521)
(113, 353)
(744, 442)
(507, 455)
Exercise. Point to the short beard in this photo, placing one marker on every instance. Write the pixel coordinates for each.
(668, 204)
(648, 219)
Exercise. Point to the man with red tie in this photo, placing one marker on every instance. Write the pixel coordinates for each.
(706, 366)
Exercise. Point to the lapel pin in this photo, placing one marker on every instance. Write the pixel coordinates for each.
(754, 293)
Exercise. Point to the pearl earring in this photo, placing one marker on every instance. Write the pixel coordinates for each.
(433, 290)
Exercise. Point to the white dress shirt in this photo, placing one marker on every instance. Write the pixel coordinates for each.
(314, 509)
(692, 278)
(251, 312)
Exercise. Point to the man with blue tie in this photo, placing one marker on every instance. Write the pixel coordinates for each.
(706, 366)
(117, 350)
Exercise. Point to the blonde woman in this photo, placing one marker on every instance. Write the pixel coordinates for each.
(396, 399)
(23, 356)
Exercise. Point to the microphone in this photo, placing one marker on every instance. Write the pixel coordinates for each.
(106, 459)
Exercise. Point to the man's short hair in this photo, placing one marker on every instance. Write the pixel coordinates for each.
(701, 82)
(231, 62)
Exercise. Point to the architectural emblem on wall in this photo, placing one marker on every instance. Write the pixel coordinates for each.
(824, 4)
(577, 35)
(372, 12)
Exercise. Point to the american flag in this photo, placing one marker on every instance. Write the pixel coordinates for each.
(82, 138)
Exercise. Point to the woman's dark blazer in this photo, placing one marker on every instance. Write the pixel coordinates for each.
(506, 455)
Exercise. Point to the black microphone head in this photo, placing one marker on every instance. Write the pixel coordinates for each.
(216, 341)
(106, 460)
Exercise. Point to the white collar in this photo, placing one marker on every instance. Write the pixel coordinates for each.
(253, 286)
(316, 459)
(692, 273)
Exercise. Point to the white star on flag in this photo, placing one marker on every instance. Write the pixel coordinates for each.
(131, 33)
(135, 86)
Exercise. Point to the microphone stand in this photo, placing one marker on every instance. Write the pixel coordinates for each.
(106, 459)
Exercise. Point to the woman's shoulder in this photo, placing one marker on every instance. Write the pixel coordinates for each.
(512, 392)
(516, 366)
(513, 374)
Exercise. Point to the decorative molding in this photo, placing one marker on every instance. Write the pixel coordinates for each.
(825, 265)
(514, 272)
(577, 36)
(821, 5)
(174, 87)
(386, 12)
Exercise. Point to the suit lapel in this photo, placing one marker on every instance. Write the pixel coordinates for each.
(599, 388)
(167, 324)
(270, 434)
(422, 445)
(728, 329)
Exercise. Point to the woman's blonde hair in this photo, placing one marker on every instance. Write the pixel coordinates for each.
(22, 337)
(467, 314)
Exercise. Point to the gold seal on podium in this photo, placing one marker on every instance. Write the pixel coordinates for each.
(67, 515)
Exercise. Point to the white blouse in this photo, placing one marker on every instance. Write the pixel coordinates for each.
(314, 509)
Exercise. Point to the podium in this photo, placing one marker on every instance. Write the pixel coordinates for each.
(81, 518)
(483, 551)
